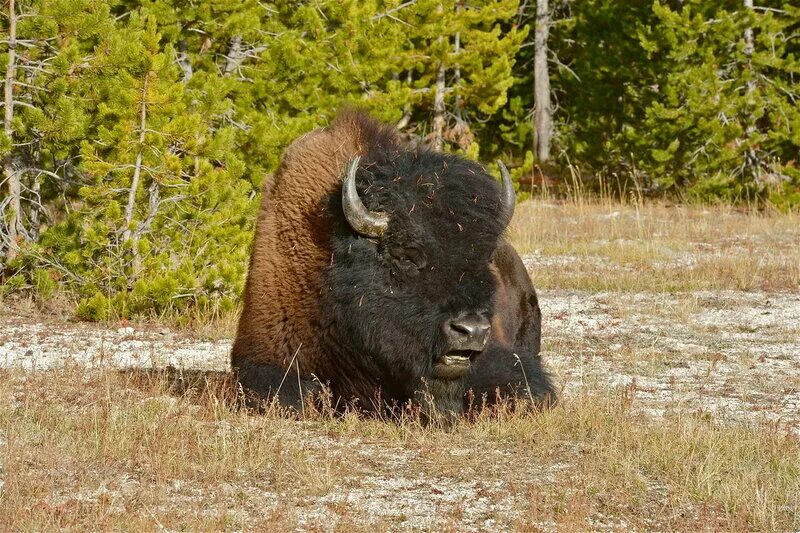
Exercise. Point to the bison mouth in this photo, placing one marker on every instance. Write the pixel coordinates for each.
(453, 364)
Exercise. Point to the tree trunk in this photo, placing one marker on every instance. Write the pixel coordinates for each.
(439, 119)
(12, 174)
(748, 32)
(235, 55)
(36, 191)
(137, 171)
(543, 110)
(401, 125)
(457, 69)
(750, 156)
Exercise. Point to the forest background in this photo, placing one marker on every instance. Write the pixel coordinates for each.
(136, 135)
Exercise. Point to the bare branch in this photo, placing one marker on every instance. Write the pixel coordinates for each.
(138, 166)
(28, 85)
(390, 12)
(768, 9)
(20, 103)
(235, 55)
(403, 122)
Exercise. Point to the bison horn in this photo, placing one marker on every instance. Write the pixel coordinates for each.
(361, 219)
(509, 198)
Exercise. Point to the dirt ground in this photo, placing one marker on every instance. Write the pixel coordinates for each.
(733, 354)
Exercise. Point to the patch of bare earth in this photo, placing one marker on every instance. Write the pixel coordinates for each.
(42, 343)
(733, 355)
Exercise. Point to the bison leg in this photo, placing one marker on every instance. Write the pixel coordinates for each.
(500, 375)
(264, 382)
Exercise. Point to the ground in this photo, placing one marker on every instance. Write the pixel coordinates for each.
(674, 334)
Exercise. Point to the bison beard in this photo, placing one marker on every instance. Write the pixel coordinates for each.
(395, 288)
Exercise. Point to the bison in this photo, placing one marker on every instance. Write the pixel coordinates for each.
(380, 270)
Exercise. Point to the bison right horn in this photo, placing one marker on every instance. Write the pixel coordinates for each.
(361, 219)
(509, 197)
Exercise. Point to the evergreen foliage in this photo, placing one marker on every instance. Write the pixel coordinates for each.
(141, 132)
(721, 120)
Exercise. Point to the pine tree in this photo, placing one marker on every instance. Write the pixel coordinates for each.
(139, 133)
(459, 61)
(601, 73)
(44, 118)
(723, 119)
(164, 215)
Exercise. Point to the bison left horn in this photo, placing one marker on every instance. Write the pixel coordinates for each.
(361, 219)
(509, 198)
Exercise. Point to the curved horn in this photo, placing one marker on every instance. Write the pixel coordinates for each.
(361, 219)
(507, 193)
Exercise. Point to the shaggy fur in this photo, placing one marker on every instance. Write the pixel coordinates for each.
(366, 316)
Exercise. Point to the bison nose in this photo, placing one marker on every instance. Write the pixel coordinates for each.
(468, 332)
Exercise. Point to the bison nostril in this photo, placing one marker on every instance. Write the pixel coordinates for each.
(470, 332)
(461, 328)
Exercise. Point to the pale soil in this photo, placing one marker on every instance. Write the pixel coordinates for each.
(733, 356)
(36, 343)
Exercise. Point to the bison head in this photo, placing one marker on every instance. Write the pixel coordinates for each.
(410, 285)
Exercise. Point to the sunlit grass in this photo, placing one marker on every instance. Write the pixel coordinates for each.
(113, 451)
(655, 247)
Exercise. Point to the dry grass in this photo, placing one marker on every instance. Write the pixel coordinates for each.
(656, 247)
(104, 450)
(112, 451)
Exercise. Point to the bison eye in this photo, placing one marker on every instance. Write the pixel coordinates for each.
(408, 258)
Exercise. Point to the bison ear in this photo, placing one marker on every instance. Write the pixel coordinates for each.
(361, 219)
(507, 194)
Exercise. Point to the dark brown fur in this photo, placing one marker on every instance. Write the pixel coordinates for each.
(511, 365)
(290, 250)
